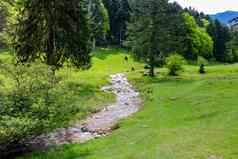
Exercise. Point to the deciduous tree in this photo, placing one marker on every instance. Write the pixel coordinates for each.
(197, 40)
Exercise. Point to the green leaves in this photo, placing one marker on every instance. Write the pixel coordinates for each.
(52, 31)
(199, 43)
(100, 18)
(148, 30)
(119, 15)
(34, 103)
(175, 63)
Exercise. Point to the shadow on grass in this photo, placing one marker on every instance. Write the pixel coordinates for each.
(203, 116)
(4, 50)
(163, 79)
(62, 152)
(83, 90)
(103, 53)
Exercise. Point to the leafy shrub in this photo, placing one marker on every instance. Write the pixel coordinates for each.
(202, 69)
(175, 64)
(235, 55)
(202, 62)
(231, 55)
(32, 101)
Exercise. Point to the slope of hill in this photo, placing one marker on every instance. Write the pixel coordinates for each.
(191, 116)
(225, 17)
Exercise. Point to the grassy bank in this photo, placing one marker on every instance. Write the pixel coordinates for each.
(192, 116)
(86, 84)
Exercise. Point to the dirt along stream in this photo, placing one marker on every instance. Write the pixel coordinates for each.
(101, 123)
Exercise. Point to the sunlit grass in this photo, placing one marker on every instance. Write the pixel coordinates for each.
(190, 116)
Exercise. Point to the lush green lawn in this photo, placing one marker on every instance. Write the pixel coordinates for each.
(188, 117)
(86, 84)
(90, 81)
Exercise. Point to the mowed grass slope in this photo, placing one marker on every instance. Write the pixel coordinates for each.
(187, 117)
(85, 84)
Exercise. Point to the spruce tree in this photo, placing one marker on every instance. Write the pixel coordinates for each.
(147, 31)
(220, 35)
(119, 15)
(52, 30)
(99, 20)
(3, 14)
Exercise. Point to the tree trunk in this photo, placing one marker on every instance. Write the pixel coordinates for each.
(152, 71)
(94, 43)
(51, 38)
(50, 48)
(120, 37)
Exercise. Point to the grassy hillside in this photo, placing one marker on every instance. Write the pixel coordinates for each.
(85, 85)
(187, 117)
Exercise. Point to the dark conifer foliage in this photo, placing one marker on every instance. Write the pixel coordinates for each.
(148, 31)
(3, 12)
(99, 21)
(52, 30)
(221, 35)
(119, 14)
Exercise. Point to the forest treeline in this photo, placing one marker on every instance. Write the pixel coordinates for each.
(63, 32)
(118, 22)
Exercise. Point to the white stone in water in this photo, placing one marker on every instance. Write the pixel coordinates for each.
(106, 88)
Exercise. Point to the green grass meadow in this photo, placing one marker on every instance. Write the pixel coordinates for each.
(190, 116)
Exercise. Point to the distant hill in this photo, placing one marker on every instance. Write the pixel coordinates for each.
(225, 17)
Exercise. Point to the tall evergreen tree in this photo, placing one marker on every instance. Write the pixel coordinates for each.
(119, 15)
(99, 19)
(175, 24)
(3, 14)
(220, 35)
(148, 30)
(232, 48)
(52, 30)
(2, 23)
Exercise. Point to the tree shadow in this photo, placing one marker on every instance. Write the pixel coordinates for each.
(81, 89)
(61, 152)
(163, 79)
(103, 53)
(203, 116)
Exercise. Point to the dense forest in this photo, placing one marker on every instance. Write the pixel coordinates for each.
(47, 35)
(111, 23)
